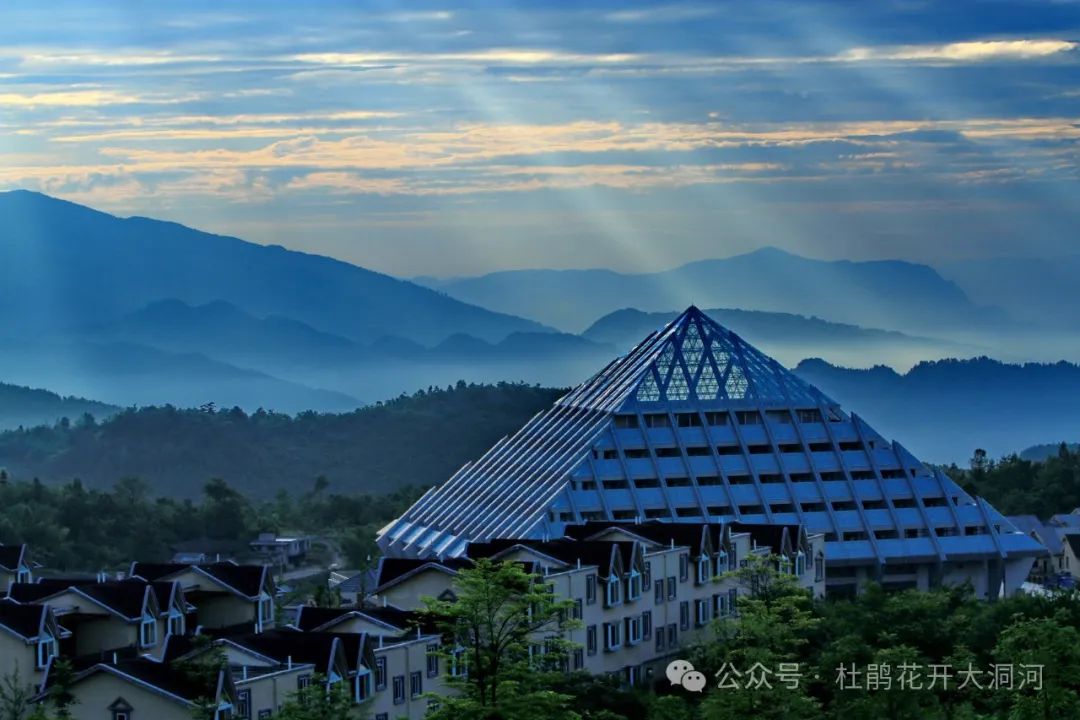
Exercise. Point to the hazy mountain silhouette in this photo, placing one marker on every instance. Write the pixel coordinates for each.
(1040, 290)
(30, 407)
(65, 266)
(789, 337)
(886, 293)
(945, 409)
(124, 373)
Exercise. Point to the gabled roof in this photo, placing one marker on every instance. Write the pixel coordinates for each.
(162, 679)
(356, 646)
(244, 580)
(1049, 535)
(605, 555)
(12, 557)
(1073, 541)
(393, 571)
(323, 650)
(780, 539)
(26, 621)
(694, 536)
(125, 598)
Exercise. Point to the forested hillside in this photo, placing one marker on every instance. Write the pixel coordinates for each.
(414, 440)
(30, 406)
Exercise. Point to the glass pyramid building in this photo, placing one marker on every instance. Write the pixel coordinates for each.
(695, 424)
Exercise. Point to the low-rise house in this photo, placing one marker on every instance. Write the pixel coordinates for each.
(142, 688)
(14, 566)
(404, 582)
(406, 651)
(225, 595)
(1048, 566)
(354, 586)
(106, 615)
(281, 551)
(29, 640)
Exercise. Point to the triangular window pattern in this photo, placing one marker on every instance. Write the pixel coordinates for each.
(736, 385)
(678, 388)
(707, 384)
(692, 348)
(648, 391)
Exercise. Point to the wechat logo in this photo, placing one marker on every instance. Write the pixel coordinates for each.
(680, 672)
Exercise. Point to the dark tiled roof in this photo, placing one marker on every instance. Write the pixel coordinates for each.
(167, 678)
(391, 569)
(663, 533)
(367, 579)
(245, 579)
(125, 597)
(11, 556)
(23, 620)
(768, 535)
(1074, 542)
(309, 617)
(589, 552)
(280, 645)
(30, 592)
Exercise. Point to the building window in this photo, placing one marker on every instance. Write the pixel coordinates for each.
(399, 689)
(46, 649)
(612, 636)
(702, 611)
(264, 714)
(684, 615)
(243, 703)
(633, 586)
(614, 591)
(672, 636)
(732, 600)
(120, 709)
(303, 682)
(704, 569)
(660, 639)
(590, 589)
(266, 611)
(416, 684)
(432, 660)
(684, 567)
(646, 624)
(579, 659)
(719, 605)
(148, 632)
(382, 716)
(363, 685)
(633, 630)
(672, 590)
(590, 639)
(380, 673)
(800, 564)
(658, 595)
(647, 580)
(176, 623)
(819, 567)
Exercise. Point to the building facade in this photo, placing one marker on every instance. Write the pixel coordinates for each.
(696, 425)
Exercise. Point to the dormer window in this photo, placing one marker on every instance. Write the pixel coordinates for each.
(148, 631)
(120, 709)
(23, 575)
(614, 591)
(784, 565)
(176, 622)
(704, 569)
(733, 560)
(266, 611)
(46, 649)
(800, 563)
(633, 586)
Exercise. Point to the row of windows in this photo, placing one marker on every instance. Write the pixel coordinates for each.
(670, 451)
(736, 479)
(715, 419)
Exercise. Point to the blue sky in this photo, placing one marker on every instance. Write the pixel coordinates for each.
(458, 138)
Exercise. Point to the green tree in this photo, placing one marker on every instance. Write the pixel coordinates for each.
(510, 629)
(1052, 646)
(321, 702)
(758, 652)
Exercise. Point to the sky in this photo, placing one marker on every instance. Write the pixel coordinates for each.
(455, 138)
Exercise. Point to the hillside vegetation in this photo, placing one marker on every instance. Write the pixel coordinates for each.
(414, 440)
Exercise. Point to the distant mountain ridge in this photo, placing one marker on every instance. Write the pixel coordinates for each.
(29, 407)
(64, 267)
(943, 410)
(883, 293)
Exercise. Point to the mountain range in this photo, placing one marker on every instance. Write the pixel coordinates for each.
(885, 293)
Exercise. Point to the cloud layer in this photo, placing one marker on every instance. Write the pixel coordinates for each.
(462, 131)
